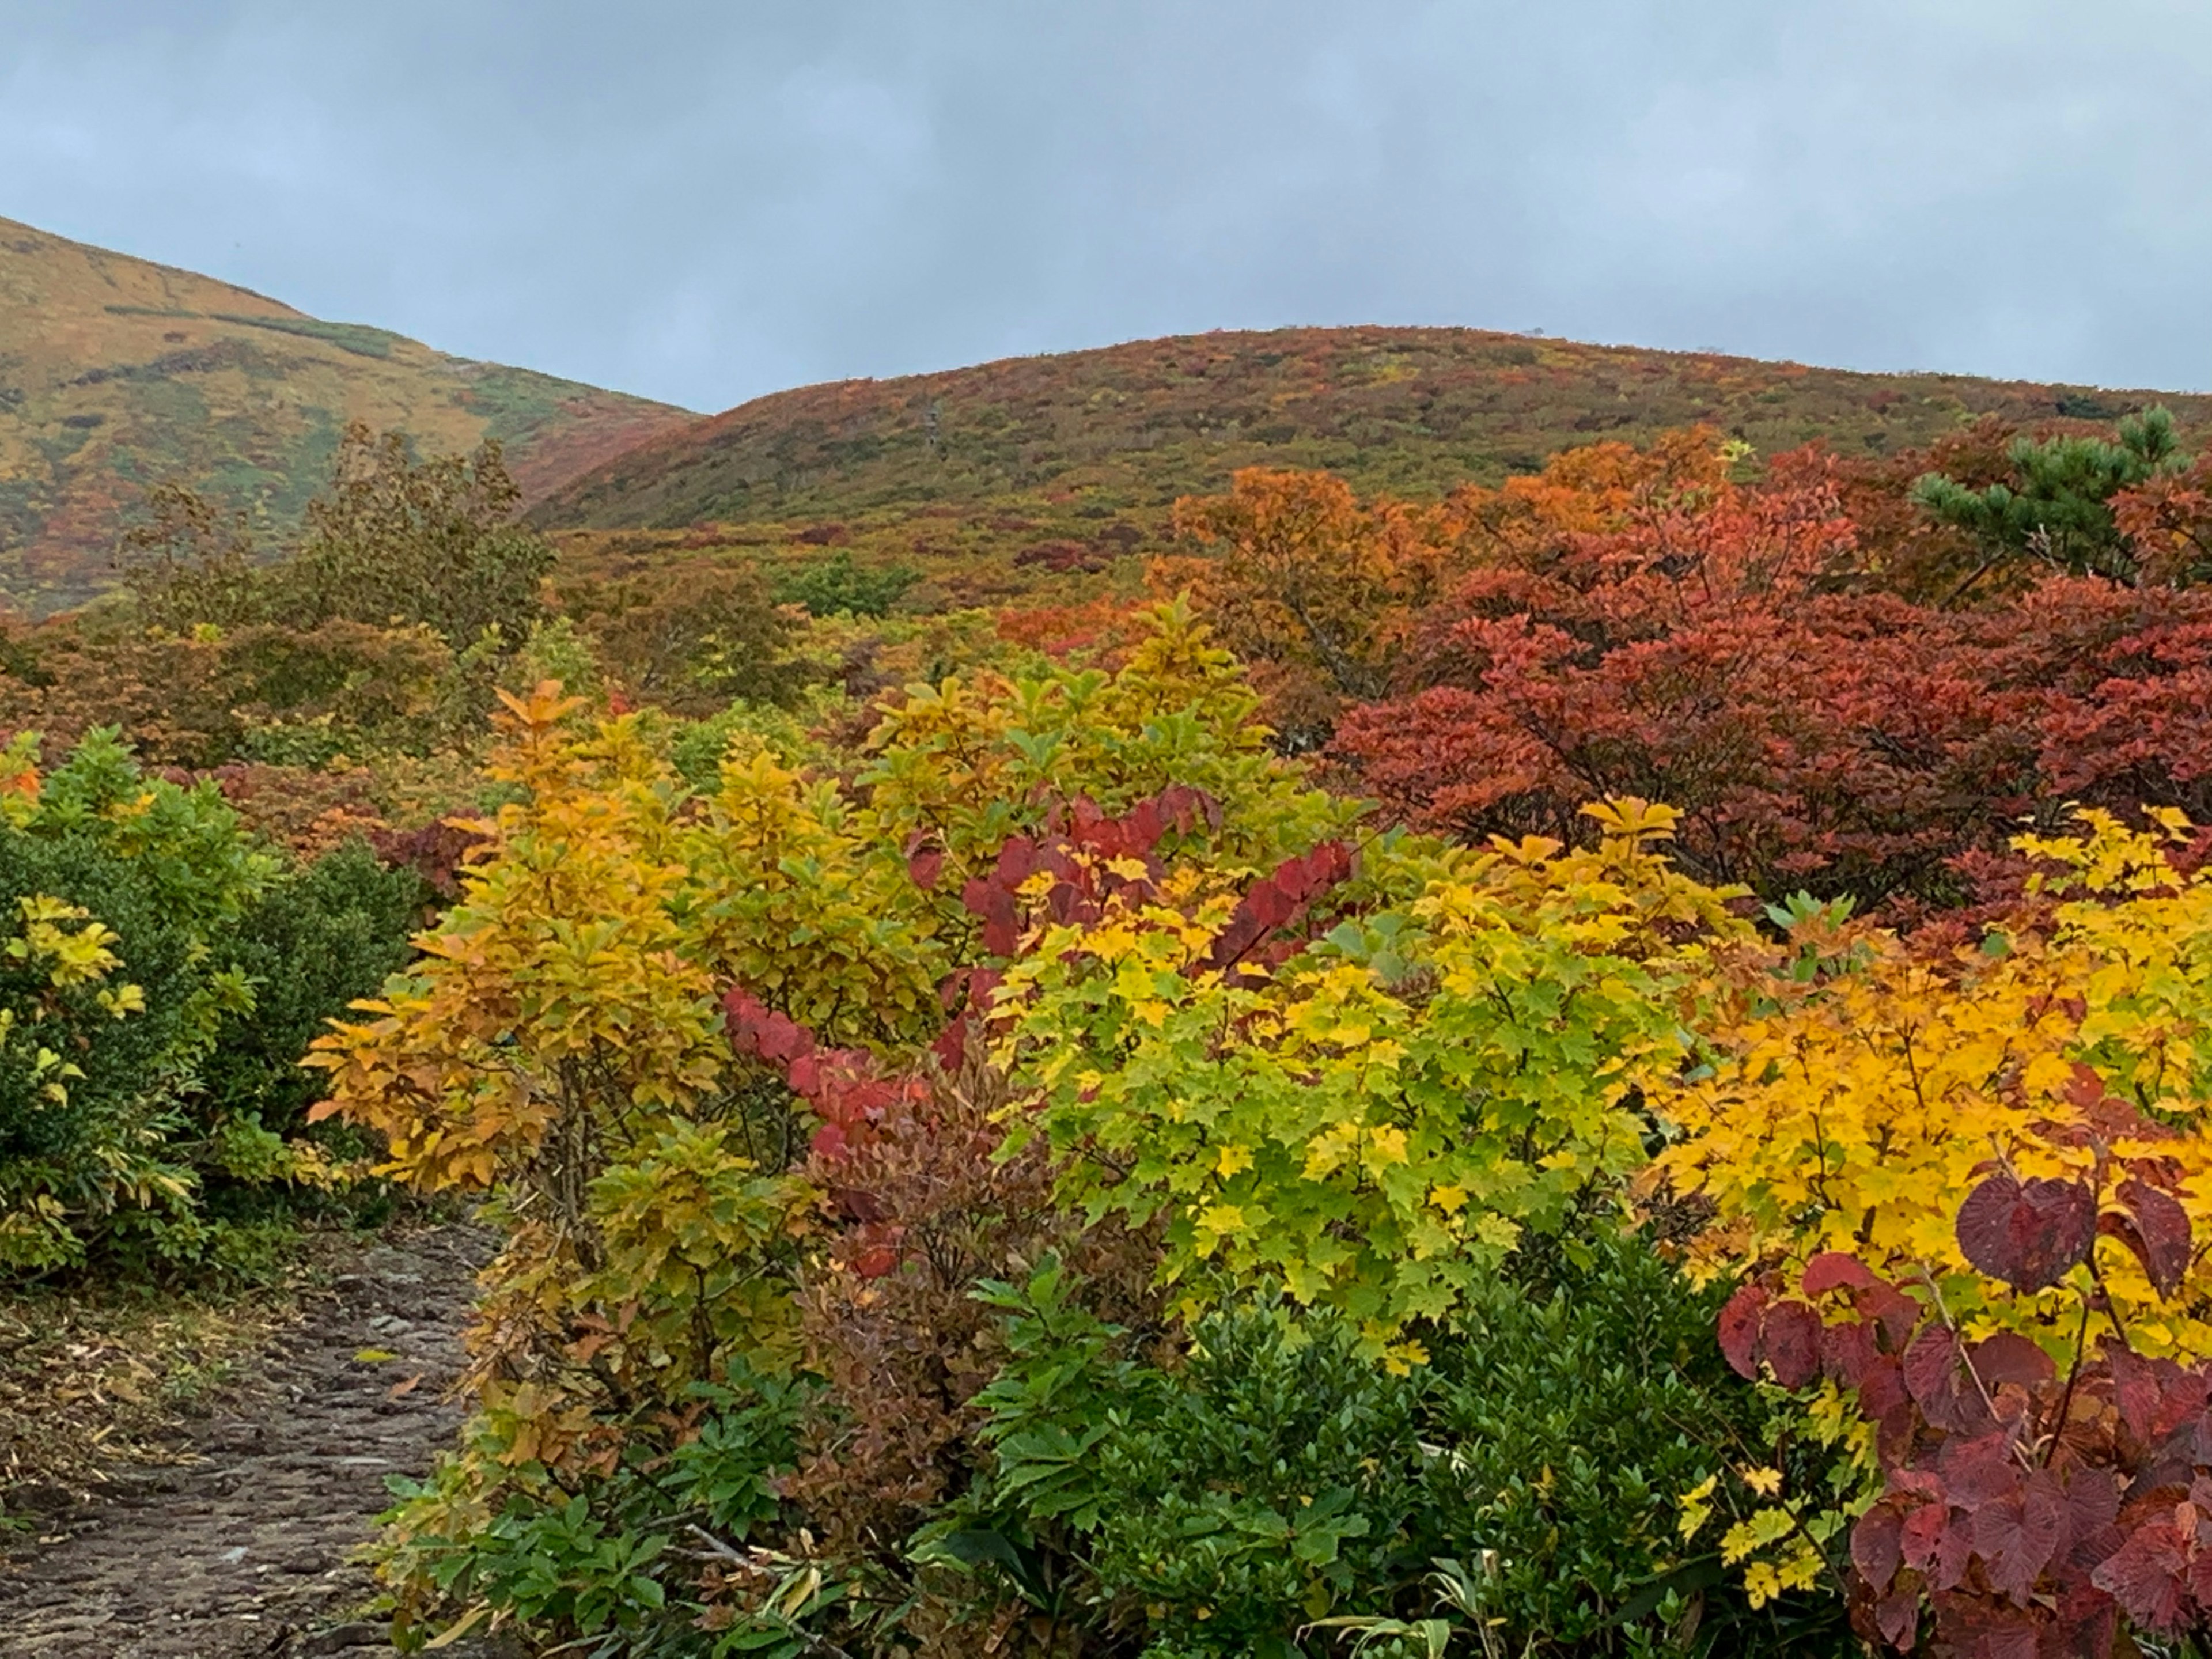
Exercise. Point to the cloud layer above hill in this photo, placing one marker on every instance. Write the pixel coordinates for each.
(702, 201)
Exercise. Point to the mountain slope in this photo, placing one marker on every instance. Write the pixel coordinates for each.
(116, 373)
(1127, 429)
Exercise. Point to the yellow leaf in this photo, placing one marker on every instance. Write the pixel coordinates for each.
(467, 1622)
(1221, 1220)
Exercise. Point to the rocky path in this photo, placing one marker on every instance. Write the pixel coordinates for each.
(244, 1550)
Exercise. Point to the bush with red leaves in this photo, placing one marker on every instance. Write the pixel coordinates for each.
(2030, 1510)
(1708, 654)
(1091, 859)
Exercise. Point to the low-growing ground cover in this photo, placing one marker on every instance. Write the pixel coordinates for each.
(89, 1383)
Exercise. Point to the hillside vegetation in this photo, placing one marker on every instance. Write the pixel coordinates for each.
(1130, 427)
(1051, 478)
(1607, 1061)
(116, 374)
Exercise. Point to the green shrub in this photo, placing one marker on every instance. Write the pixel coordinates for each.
(836, 586)
(1572, 1405)
(609, 1562)
(96, 1071)
(1277, 1478)
(309, 943)
(160, 976)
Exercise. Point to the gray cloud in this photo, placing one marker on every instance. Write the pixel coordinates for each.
(706, 199)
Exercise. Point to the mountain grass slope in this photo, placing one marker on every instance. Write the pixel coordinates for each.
(1128, 429)
(116, 373)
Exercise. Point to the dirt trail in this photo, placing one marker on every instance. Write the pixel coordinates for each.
(243, 1553)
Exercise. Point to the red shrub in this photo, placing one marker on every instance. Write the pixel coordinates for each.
(1709, 652)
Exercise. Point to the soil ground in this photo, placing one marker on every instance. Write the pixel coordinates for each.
(242, 1547)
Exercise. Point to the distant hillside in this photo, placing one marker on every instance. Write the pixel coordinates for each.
(1126, 430)
(115, 372)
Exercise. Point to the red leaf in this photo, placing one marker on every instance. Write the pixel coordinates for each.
(1740, 1322)
(2087, 1621)
(1881, 1387)
(951, 1044)
(1897, 1313)
(1183, 805)
(857, 1203)
(1895, 1432)
(2017, 1535)
(1931, 1366)
(2199, 1577)
(993, 900)
(2093, 1506)
(2161, 1234)
(1954, 1552)
(1922, 1536)
(1979, 1471)
(1833, 1270)
(2181, 1401)
(926, 865)
(2135, 1388)
(2010, 1358)
(1876, 1552)
(2018, 1638)
(876, 1262)
(2085, 1088)
(2145, 1575)
(1790, 1338)
(1898, 1617)
(1936, 1378)
(1847, 1351)
(1278, 899)
(1921, 1483)
(759, 1032)
(2028, 1236)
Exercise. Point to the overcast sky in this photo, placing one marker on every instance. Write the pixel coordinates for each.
(703, 200)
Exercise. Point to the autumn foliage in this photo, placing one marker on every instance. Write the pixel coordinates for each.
(1632, 1078)
(1651, 623)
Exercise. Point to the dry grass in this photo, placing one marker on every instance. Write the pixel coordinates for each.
(94, 1382)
